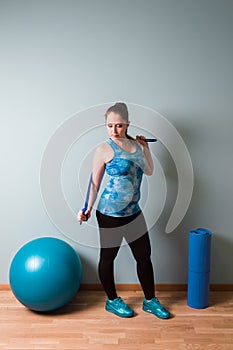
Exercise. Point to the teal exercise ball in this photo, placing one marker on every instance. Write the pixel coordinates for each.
(45, 274)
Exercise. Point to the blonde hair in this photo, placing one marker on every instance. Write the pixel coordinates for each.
(121, 109)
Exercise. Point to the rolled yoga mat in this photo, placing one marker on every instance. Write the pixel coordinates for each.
(199, 268)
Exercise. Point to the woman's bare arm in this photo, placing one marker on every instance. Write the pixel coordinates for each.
(102, 155)
(149, 169)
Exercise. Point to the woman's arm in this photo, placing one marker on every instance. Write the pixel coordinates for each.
(149, 169)
(98, 168)
(101, 156)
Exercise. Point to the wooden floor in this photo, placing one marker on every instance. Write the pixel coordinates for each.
(84, 324)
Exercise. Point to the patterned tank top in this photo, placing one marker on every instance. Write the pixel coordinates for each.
(122, 192)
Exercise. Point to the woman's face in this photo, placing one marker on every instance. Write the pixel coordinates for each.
(116, 126)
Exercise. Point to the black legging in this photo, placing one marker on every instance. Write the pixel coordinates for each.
(133, 229)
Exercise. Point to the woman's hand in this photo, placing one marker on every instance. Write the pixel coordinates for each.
(141, 140)
(81, 216)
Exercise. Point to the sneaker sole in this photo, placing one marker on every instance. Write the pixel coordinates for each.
(112, 311)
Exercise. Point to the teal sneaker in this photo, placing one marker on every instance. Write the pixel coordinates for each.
(119, 307)
(154, 307)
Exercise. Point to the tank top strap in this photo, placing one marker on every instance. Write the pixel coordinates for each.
(138, 148)
(118, 151)
(114, 146)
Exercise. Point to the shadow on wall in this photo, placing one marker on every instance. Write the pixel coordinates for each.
(89, 270)
(170, 172)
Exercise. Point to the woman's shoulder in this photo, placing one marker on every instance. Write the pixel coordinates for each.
(103, 147)
(104, 151)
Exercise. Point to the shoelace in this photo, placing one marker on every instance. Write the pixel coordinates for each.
(120, 301)
(156, 301)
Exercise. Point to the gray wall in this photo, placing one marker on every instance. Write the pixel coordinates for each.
(173, 56)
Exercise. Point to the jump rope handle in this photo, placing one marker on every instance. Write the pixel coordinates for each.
(83, 210)
(151, 140)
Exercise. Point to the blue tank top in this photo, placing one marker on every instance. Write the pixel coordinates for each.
(122, 192)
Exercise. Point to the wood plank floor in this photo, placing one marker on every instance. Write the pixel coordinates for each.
(84, 324)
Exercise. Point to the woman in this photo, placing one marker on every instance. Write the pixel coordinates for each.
(119, 216)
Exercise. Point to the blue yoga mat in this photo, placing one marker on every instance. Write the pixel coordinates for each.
(198, 289)
(199, 250)
(199, 268)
